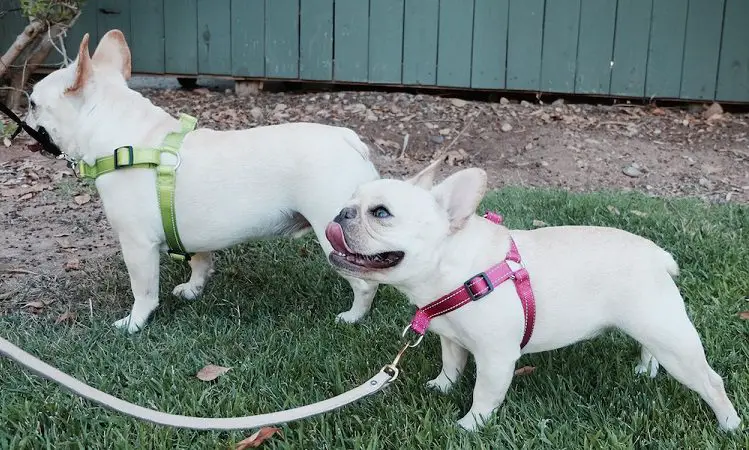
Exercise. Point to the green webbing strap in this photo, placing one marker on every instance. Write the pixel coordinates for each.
(165, 184)
(127, 156)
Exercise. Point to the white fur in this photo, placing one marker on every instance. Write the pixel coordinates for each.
(585, 280)
(230, 186)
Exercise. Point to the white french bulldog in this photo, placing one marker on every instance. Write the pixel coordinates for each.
(427, 240)
(230, 186)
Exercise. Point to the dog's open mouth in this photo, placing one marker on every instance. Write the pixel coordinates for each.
(343, 255)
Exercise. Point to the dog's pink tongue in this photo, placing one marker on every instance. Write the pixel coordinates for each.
(334, 234)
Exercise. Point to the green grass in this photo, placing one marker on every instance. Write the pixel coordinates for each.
(276, 330)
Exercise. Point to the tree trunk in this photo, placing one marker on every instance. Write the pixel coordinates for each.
(37, 58)
(28, 36)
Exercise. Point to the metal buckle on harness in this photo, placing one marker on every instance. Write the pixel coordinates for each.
(478, 295)
(131, 157)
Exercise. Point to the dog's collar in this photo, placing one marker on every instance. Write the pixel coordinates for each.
(129, 157)
(480, 285)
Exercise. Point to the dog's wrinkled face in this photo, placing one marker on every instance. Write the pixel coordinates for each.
(58, 101)
(391, 231)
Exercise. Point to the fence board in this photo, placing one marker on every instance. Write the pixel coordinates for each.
(248, 38)
(524, 44)
(595, 46)
(282, 38)
(351, 52)
(316, 40)
(420, 21)
(386, 42)
(454, 43)
(702, 49)
(214, 37)
(147, 42)
(631, 47)
(181, 37)
(663, 76)
(489, 57)
(733, 73)
(113, 14)
(559, 55)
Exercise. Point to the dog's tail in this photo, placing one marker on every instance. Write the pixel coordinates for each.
(357, 144)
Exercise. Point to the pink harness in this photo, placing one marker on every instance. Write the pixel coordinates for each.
(481, 285)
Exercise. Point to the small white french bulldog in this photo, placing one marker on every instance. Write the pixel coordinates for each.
(426, 240)
(230, 186)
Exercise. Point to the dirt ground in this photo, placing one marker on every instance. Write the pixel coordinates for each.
(53, 224)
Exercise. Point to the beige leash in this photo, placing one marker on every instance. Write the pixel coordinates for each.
(375, 384)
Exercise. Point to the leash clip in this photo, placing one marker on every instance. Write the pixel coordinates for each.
(392, 368)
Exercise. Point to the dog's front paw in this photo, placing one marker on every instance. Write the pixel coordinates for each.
(129, 325)
(470, 422)
(188, 291)
(349, 316)
(442, 383)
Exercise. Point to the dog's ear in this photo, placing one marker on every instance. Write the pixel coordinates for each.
(425, 178)
(460, 195)
(113, 53)
(83, 68)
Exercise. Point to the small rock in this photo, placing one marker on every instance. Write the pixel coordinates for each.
(371, 117)
(504, 101)
(458, 102)
(632, 170)
(558, 102)
(256, 113)
(544, 164)
(592, 142)
(506, 127)
(357, 108)
(26, 196)
(713, 112)
(437, 139)
(539, 223)
(82, 199)
(280, 107)
(445, 131)
(657, 131)
(707, 184)
(525, 104)
(201, 91)
(546, 118)
(455, 157)
(529, 146)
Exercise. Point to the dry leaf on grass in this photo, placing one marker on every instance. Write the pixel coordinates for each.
(638, 213)
(525, 370)
(36, 305)
(211, 372)
(744, 315)
(72, 264)
(82, 199)
(258, 438)
(613, 210)
(68, 316)
(539, 223)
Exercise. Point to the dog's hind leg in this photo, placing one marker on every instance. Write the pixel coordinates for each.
(648, 364)
(667, 332)
(142, 261)
(201, 266)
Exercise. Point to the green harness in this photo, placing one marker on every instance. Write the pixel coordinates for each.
(133, 157)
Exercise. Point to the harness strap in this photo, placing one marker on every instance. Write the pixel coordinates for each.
(137, 157)
(166, 184)
(481, 285)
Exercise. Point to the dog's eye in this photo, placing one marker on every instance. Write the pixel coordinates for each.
(380, 212)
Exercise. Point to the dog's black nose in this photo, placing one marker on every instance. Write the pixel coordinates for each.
(345, 214)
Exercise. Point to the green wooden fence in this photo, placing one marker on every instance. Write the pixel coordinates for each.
(687, 49)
